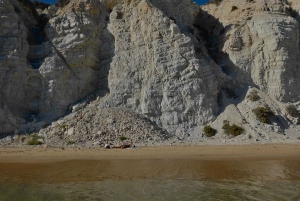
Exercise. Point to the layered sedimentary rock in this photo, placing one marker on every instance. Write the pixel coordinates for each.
(156, 70)
(260, 44)
(71, 71)
(19, 83)
(39, 80)
(144, 60)
(177, 64)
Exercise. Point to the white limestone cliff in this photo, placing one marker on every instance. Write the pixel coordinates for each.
(180, 65)
(261, 43)
(156, 70)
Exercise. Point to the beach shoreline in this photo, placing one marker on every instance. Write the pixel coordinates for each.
(42, 154)
(214, 162)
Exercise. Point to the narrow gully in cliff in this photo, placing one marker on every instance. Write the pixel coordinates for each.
(39, 49)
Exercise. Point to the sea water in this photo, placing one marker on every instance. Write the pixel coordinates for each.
(178, 179)
(155, 189)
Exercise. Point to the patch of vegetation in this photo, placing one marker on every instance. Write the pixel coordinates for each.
(34, 140)
(209, 131)
(234, 8)
(263, 114)
(63, 126)
(70, 142)
(292, 110)
(253, 96)
(298, 138)
(122, 138)
(233, 129)
(293, 13)
(119, 15)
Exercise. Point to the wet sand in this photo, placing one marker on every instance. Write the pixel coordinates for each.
(53, 165)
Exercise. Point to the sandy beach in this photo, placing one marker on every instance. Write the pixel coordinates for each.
(263, 162)
(205, 152)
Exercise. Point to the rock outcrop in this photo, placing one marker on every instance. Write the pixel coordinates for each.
(18, 81)
(259, 44)
(179, 65)
(143, 58)
(156, 70)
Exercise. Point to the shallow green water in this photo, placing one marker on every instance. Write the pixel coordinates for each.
(153, 189)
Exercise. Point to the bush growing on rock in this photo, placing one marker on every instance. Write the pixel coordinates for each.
(63, 126)
(292, 110)
(263, 114)
(209, 131)
(234, 8)
(34, 140)
(122, 138)
(234, 130)
(253, 96)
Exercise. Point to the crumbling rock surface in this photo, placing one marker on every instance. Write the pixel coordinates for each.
(93, 126)
(178, 65)
(156, 70)
(260, 41)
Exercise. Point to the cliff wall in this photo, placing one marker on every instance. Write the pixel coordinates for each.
(179, 65)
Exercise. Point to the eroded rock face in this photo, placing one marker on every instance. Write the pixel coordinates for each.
(168, 60)
(17, 79)
(261, 43)
(43, 74)
(144, 60)
(80, 43)
(156, 70)
(279, 74)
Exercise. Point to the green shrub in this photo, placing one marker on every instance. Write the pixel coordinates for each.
(34, 140)
(253, 96)
(234, 8)
(292, 110)
(122, 138)
(263, 114)
(63, 126)
(232, 130)
(209, 131)
(70, 142)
